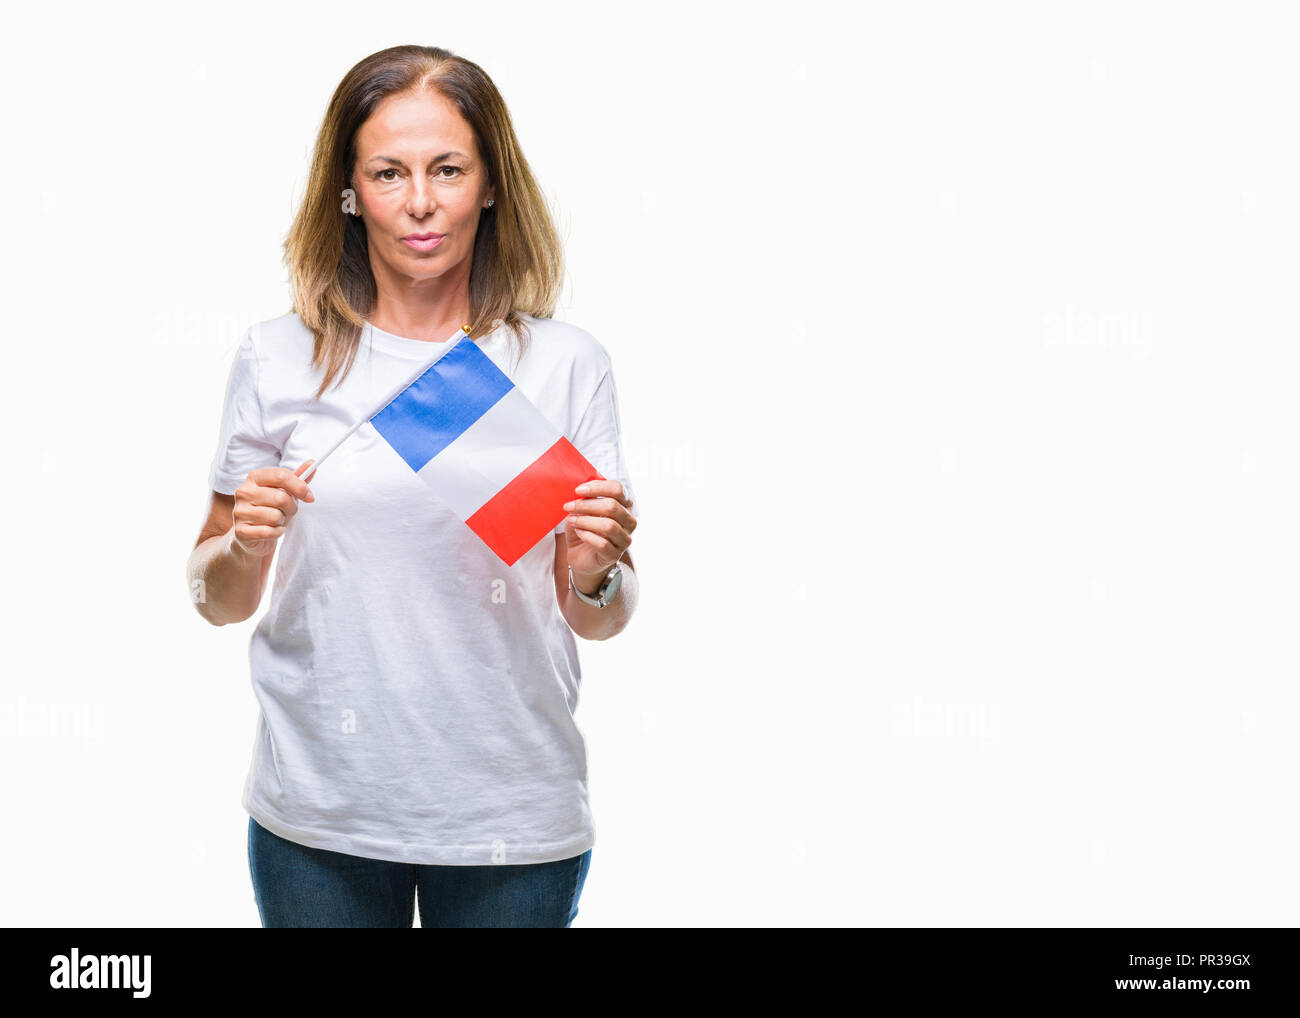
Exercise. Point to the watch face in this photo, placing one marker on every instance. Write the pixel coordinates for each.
(605, 593)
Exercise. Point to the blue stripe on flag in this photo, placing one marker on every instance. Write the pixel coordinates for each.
(430, 413)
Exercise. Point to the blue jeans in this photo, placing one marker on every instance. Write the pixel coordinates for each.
(296, 885)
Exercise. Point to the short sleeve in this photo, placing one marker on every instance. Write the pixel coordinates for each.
(599, 438)
(242, 444)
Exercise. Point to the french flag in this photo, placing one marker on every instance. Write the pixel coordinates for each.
(484, 448)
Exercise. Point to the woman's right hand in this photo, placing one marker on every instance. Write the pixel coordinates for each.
(264, 504)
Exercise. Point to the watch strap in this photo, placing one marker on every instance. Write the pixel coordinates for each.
(602, 596)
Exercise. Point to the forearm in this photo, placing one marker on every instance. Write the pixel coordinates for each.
(225, 583)
(592, 623)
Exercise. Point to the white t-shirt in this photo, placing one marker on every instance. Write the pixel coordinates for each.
(416, 694)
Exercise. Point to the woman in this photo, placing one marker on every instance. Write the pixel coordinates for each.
(415, 736)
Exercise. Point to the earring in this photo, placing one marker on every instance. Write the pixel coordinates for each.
(491, 202)
(350, 201)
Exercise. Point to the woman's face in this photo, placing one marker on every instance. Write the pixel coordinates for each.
(418, 172)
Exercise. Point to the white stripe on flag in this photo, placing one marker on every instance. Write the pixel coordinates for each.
(490, 453)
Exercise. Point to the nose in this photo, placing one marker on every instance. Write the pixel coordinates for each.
(419, 198)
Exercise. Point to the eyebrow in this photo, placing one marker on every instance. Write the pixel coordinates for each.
(398, 162)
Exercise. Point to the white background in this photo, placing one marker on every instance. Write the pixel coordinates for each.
(955, 347)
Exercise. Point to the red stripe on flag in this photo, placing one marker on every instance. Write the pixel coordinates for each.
(529, 507)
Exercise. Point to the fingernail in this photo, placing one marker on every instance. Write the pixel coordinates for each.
(567, 506)
(581, 489)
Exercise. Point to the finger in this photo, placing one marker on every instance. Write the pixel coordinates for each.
(275, 498)
(259, 522)
(595, 540)
(266, 505)
(310, 474)
(612, 488)
(607, 507)
(262, 516)
(601, 489)
(608, 551)
(283, 477)
(250, 535)
(600, 531)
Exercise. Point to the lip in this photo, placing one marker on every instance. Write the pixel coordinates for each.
(423, 241)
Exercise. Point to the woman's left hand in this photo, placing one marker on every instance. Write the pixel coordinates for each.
(599, 529)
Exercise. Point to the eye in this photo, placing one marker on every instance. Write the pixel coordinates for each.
(448, 167)
(380, 176)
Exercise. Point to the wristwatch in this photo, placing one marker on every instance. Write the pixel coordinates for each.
(613, 580)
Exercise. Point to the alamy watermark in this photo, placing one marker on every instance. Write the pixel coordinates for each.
(927, 720)
(1077, 329)
(52, 720)
(101, 972)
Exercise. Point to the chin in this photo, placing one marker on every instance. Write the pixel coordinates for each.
(417, 268)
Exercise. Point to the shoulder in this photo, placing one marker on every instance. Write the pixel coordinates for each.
(285, 349)
(283, 337)
(567, 343)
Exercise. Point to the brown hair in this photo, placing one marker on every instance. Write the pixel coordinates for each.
(518, 262)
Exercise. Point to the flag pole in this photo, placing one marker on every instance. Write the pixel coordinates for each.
(461, 332)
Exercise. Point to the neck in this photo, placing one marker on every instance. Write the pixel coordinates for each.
(429, 309)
